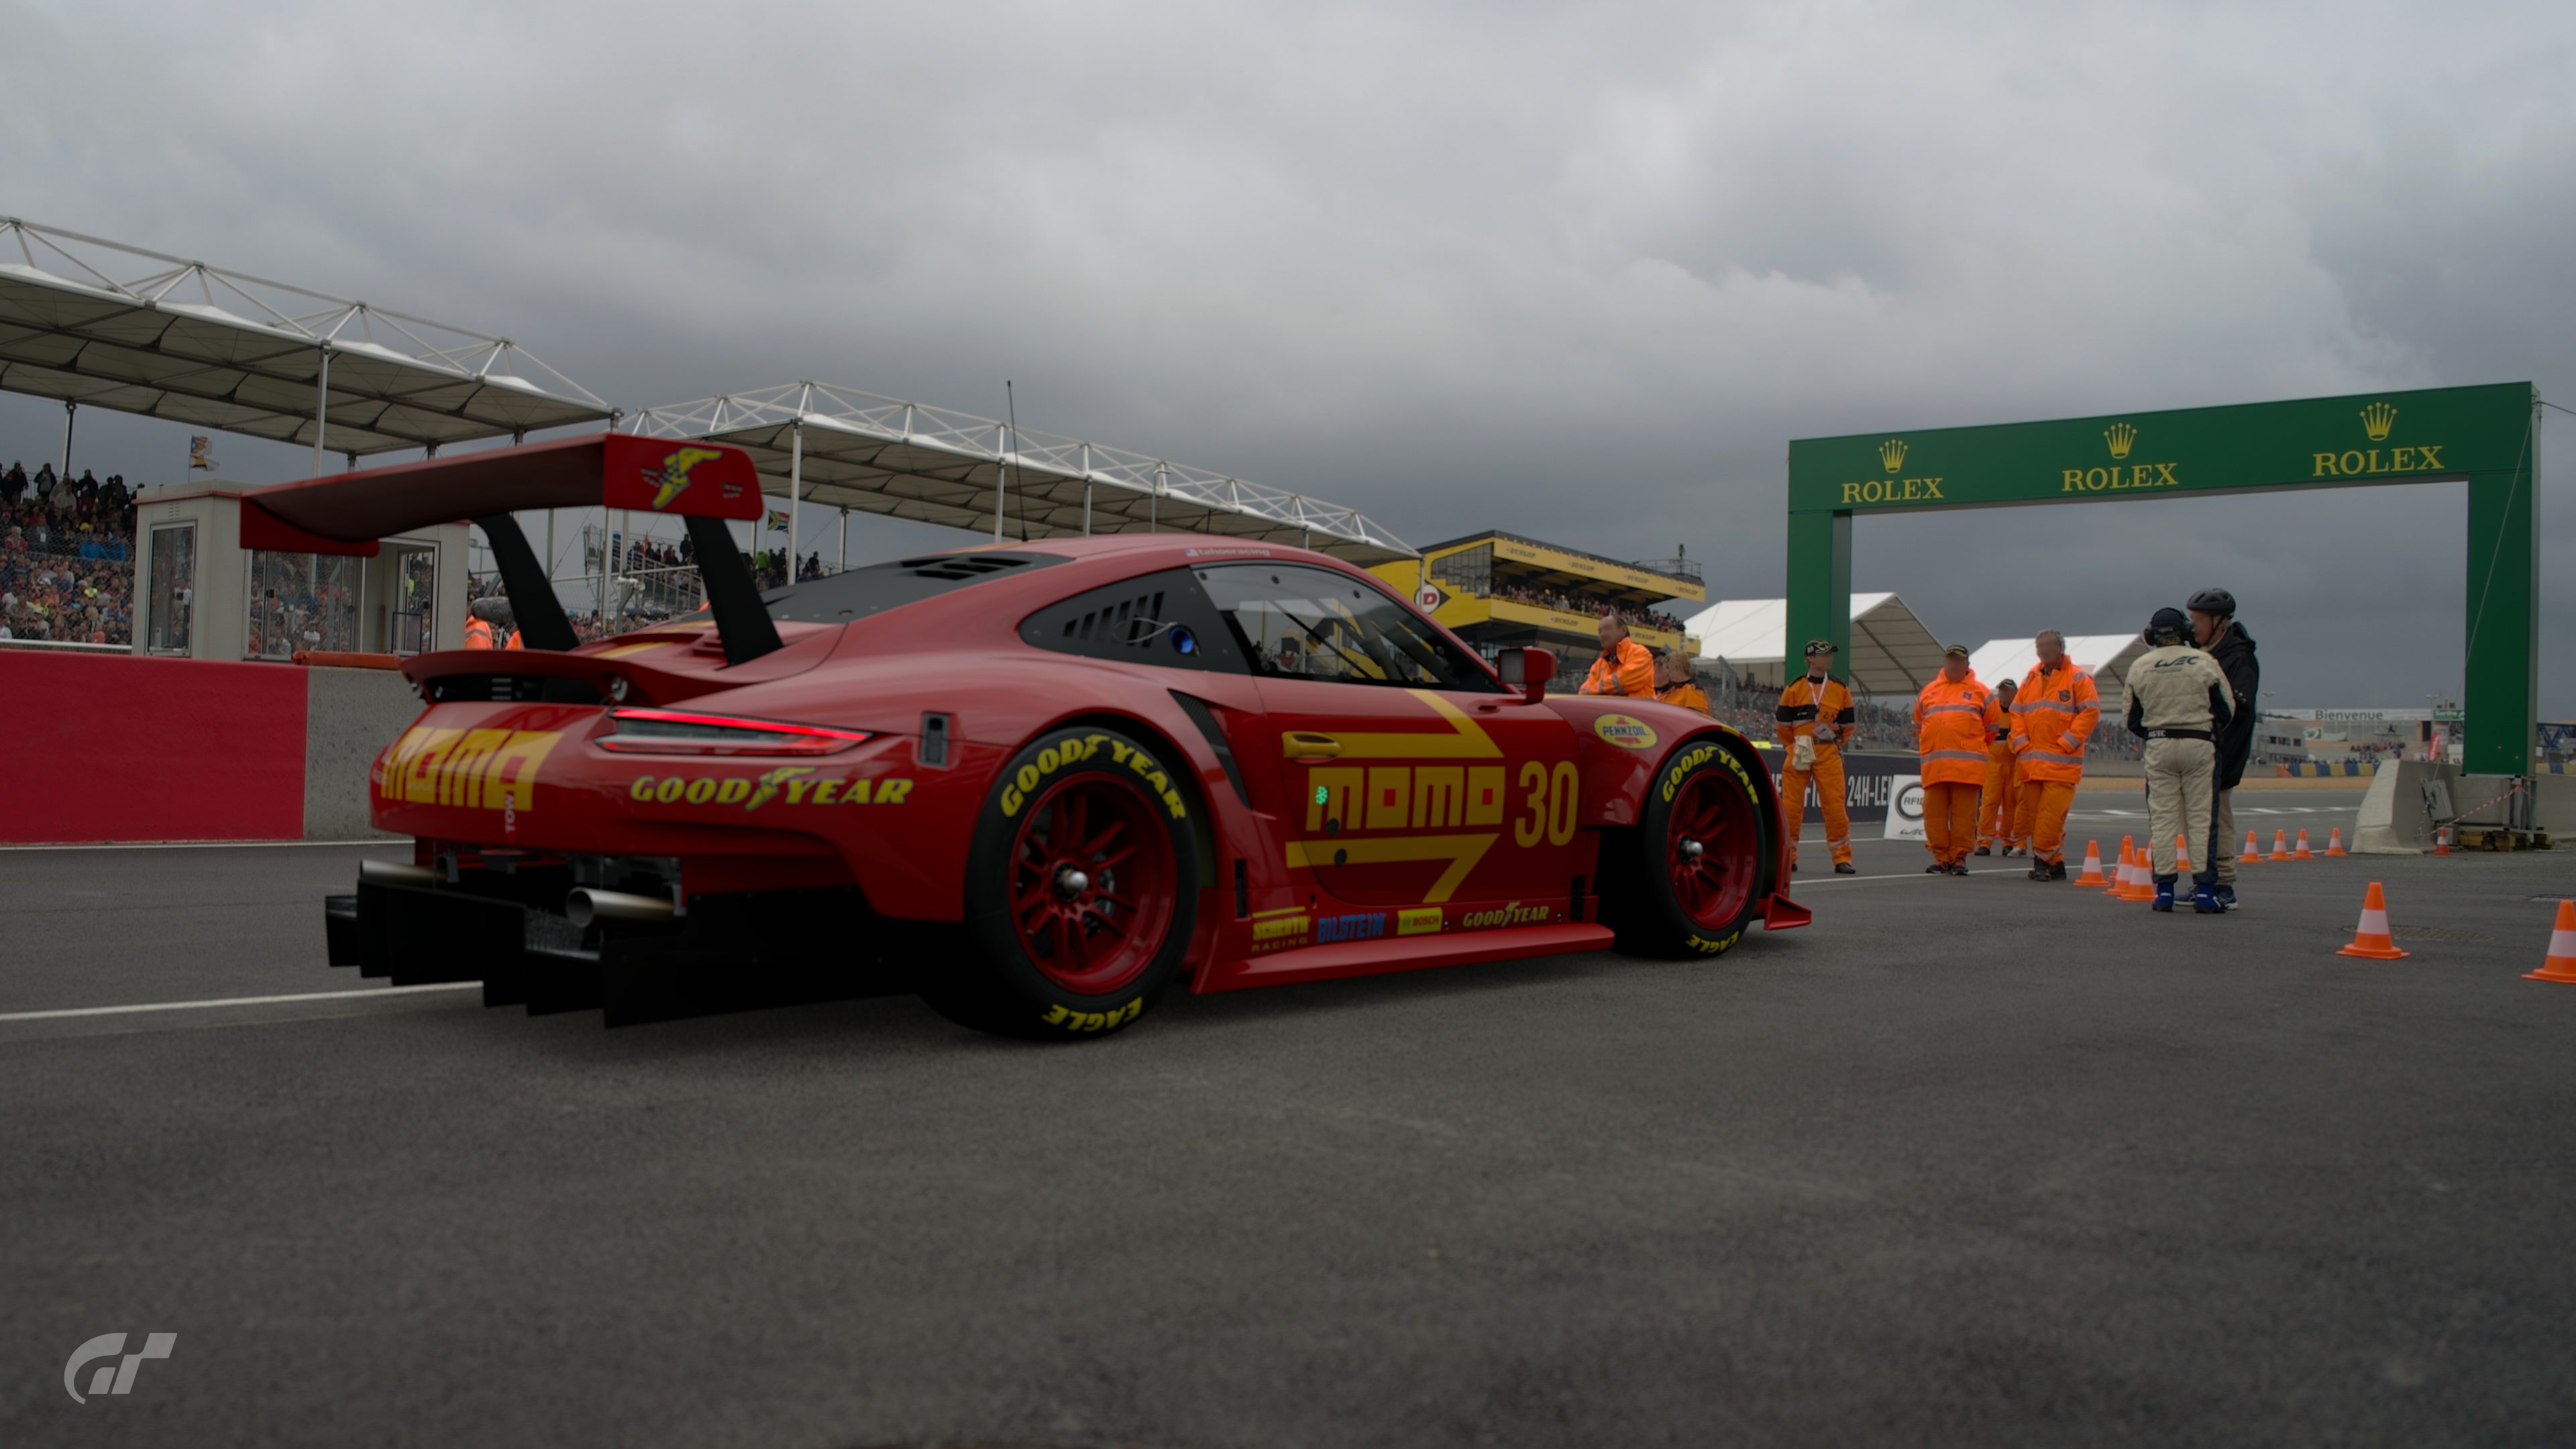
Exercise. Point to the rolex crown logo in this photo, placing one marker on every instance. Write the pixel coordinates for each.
(2377, 419)
(2120, 436)
(1892, 454)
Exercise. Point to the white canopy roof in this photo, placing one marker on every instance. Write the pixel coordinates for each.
(2106, 657)
(1892, 652)
(856, 450)
(106, 325)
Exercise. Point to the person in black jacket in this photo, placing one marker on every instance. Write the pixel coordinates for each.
(2214, 629)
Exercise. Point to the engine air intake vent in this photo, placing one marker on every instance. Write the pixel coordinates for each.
(961, 565)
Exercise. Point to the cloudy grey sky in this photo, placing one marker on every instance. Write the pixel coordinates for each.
(1576, 271)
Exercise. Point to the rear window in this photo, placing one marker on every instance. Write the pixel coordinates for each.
(879, 587)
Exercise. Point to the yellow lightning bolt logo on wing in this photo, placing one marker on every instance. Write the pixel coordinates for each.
(674, 476)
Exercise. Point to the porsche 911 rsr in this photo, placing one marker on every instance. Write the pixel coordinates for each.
(1039, 784)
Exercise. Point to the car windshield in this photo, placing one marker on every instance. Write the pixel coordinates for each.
(1298, 622)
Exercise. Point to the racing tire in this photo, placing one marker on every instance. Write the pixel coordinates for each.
(1665, 898)
(1081, 891)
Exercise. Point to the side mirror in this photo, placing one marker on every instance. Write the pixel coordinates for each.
(1530, 669)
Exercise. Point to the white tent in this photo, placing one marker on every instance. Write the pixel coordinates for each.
(2106, 657)
(1892, 653)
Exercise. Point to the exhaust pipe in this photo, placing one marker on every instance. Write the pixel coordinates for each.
(386, 872)
(585, 906)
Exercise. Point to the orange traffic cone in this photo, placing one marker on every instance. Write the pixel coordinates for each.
(2334, 844)
(2182, 855)
(2091, 875)
(2370, 939)
(2560, 963)
(2252, 854)
(2280, 846)
(2442, 841)
(2142, 878)
(2302, 852)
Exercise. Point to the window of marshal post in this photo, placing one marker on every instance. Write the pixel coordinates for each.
(1297, 622)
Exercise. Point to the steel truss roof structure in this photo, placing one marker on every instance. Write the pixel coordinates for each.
(849, 449)
(100, 324)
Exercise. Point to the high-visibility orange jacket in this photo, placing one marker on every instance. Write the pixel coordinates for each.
(1688, 696)
(1950, 724)
(478, 634)
(1803, 706)
(1628, 666)
(514, 641)
(2053, 715)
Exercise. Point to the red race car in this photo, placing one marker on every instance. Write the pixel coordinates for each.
(1041, 783)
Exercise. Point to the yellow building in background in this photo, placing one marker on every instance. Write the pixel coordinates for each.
(1498, 591)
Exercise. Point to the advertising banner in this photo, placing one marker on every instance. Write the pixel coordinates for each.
(1870, 784)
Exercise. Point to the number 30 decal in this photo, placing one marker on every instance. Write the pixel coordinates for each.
(1551, 803)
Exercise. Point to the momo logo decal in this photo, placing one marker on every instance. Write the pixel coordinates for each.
(1514, 914)
(1065, 754)
(672, 478)
(1625, 732)
(1344, 800)
(116, 1378)
(789, 782)
(485, 769)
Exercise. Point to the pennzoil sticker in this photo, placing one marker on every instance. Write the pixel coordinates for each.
(1625, 731)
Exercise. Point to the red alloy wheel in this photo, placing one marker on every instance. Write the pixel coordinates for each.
(1091, 884)
(1713, 849)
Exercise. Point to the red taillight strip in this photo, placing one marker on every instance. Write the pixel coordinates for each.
(736, 722)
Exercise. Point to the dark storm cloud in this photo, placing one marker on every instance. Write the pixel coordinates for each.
(1577, 271)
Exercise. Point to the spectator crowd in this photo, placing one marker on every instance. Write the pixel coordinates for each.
(1589, 608)
(66, 557)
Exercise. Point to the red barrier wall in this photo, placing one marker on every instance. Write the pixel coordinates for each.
(107, 747)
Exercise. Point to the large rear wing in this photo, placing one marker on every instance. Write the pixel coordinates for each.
(704, 484)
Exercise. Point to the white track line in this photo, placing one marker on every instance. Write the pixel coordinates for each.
(238, 1001)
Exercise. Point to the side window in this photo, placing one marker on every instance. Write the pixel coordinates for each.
(1297, 622)
(1161, 619)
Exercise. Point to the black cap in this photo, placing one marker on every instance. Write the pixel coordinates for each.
(2169, 621)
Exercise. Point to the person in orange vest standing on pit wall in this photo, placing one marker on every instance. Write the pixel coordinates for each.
(1995, 804)
(2055, 711)
(1952, 717)
(1676, 684)
(1624, 666)
(1815, 714)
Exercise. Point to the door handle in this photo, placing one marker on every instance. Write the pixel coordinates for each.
(1306, 745)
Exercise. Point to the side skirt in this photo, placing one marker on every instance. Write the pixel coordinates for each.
(1379, 957)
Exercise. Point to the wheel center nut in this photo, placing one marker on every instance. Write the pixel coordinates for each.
(1070, 882)
(1691, 848)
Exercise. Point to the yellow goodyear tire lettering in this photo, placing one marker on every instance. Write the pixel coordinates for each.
(642, 789)
(1049, 761)
(700, 791)
(668, 792)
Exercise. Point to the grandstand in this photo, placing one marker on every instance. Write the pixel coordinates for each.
(95, 323)
(1499, 590)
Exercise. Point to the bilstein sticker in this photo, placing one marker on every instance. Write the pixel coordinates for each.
(1626, 732)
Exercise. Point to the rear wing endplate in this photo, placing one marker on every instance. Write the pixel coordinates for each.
(704, 484)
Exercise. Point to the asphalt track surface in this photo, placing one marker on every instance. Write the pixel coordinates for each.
(1972, 1161)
